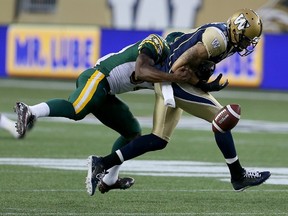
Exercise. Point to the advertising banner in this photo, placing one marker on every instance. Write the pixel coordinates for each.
(275, 60)
(246, 71)
(51, 51)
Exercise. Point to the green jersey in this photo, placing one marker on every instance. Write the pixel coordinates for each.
(119, 68)
(173, 36)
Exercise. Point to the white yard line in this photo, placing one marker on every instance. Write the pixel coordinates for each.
(169, 168)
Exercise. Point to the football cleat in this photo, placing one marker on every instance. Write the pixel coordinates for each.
(121, 183)
(249, 179)
(95, 173)
(25, 119)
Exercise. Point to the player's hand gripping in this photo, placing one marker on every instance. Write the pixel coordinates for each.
(184, 74)
(215, 85)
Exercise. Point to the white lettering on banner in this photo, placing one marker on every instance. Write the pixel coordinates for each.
(122, 13)
(151, 14)
(184, 13)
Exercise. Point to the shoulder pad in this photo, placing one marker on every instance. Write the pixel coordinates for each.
(215, 41)
(156, 44)
(173, 36)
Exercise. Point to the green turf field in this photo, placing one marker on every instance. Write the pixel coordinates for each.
(44, 173)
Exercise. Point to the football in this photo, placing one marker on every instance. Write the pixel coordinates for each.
(227, 118)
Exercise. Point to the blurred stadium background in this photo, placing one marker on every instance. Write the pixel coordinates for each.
(45, 44)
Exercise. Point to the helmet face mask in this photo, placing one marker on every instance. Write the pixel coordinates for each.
(246, 45)
(245, 29)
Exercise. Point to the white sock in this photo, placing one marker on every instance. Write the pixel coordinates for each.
(8, 125)
(119, 153)
(40, 110)
(111, 177)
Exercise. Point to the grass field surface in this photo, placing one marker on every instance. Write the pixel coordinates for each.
(44, 173)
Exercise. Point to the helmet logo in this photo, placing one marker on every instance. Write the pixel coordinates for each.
(241, 22)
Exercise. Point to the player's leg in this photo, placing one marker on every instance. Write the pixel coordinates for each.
(9, 125)
(205, 106)
(78, 105)
(151, 142)
(116, 115)
(165, 120)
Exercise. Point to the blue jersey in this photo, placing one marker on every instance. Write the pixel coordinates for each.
(211, 35)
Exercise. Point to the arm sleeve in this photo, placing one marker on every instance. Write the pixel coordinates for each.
(147, 52)
(214, 41)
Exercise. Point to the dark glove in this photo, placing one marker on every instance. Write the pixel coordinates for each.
(212, 86)
(205, 69)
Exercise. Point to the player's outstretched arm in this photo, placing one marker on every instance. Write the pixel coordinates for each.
(146, 71)
(191, 58)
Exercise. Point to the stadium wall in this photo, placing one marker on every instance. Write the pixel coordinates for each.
(64, 51)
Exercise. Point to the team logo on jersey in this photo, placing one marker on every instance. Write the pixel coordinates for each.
(215, 43)
(155, 41)
(241, 22)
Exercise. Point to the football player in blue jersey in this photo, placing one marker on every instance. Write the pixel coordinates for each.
(213, 42)
(96, 90)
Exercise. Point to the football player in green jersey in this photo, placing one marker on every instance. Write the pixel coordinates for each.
(96, 90)
(213, 42)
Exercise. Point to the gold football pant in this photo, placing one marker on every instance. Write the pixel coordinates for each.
(189, 99)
